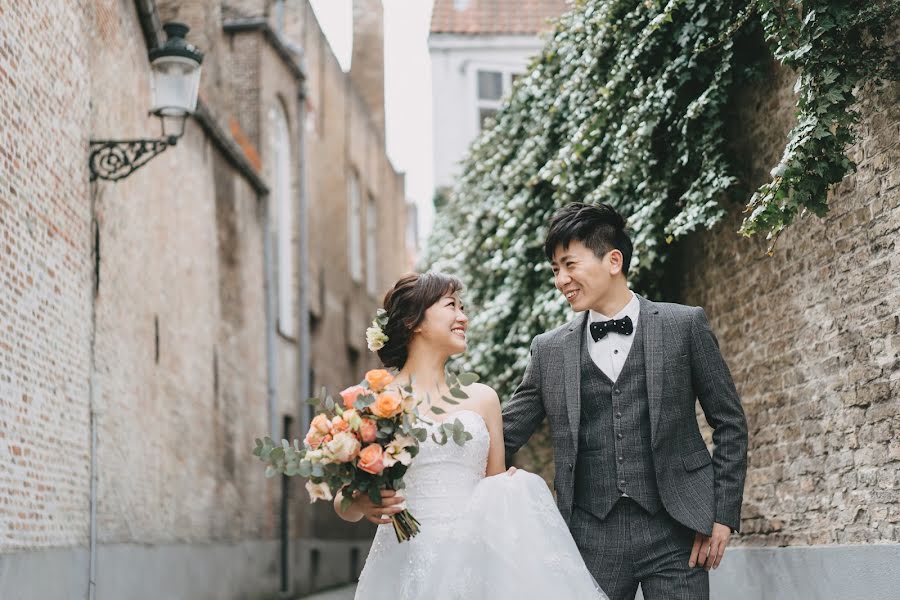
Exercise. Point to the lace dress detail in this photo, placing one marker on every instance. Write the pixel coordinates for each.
(498, 537)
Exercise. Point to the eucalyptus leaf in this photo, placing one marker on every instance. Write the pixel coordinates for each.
(466, 379)
(458, 393)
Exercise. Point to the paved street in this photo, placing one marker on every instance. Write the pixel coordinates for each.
(344, 593)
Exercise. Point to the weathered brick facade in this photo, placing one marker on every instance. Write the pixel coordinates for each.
(811, 335)
(153, 322)
(45, 269)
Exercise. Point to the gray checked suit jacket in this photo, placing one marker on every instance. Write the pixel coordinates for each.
(683, 365)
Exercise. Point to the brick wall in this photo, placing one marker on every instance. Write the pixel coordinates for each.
(176, 330)
(45, 277)
(811, 335)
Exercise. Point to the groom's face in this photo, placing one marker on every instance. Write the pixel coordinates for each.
(582, 277)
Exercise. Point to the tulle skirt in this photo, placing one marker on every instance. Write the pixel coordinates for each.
(508, 542)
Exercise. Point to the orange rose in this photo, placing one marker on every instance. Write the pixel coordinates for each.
(338, 424)
(318, 430)
(321, 424)
(371, 459)
(387, 405)
(367, 431)
(313, 440)
(378, 379)
(351, 394)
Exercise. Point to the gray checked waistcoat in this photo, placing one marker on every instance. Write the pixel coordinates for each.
(682, 366)
(614, 453)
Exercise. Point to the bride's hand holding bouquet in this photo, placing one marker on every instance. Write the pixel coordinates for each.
(361, 446)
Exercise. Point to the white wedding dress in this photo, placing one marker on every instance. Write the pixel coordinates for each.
(496, 538)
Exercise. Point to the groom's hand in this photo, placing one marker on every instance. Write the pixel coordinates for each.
(709, 550)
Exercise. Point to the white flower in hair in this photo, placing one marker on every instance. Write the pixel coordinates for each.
(375, 337)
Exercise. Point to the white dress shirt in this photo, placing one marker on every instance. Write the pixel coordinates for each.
(610, 353)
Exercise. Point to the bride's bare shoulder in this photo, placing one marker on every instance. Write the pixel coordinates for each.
(483, 399)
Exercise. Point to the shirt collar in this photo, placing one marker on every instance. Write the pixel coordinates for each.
(632, 310)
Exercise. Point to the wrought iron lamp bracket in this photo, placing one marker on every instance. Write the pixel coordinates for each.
(113, 160)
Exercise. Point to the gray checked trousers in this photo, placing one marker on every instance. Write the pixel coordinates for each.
(631, 547)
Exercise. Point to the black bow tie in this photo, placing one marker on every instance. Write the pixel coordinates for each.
(599, 329)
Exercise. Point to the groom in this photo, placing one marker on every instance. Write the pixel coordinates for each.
(634, 481)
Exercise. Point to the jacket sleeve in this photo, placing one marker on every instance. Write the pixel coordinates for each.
(722, 407)
(523, 413)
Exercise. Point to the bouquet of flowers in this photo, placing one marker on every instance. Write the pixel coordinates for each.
(364, 443)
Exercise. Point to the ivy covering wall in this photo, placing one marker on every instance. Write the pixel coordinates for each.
(626, 105)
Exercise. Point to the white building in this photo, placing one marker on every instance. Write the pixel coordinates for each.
(478, 48)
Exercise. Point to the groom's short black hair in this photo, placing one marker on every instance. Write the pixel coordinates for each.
(597, 226)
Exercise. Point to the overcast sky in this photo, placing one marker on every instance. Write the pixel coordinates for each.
(407, 87)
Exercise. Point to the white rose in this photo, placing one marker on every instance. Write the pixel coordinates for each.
(343, 448)
(318, 491)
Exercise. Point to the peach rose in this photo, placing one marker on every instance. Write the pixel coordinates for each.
(343, 448)
(378, 379)
(350, 395)
(387, 405)
(338, 424)
(367, 430)
(319, 429)
(371, 459)
(321, 424)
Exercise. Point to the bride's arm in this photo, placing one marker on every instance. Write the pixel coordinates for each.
(489, 407)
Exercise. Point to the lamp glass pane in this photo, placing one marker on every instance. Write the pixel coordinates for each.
(175, 82)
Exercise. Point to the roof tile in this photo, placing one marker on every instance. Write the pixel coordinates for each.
(495, 16)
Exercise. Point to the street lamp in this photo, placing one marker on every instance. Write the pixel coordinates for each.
(174, 83)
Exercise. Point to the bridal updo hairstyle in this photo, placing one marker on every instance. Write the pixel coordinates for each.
(405, 304)
(597, 226)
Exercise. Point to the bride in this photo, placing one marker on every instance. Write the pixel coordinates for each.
(485, 532)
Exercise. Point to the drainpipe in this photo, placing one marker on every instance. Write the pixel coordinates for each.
(271, 357)
(304, 410)
(92, 395)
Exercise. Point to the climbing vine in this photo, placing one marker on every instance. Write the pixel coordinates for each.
(626, 104)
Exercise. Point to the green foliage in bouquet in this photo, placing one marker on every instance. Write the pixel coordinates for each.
(626, 104)
(365, 442)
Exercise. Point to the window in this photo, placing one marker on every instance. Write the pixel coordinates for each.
(371, 246)
(284, 215)
(491, 86)
(354, 228)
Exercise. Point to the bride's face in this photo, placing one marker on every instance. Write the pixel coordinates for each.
(444, 326)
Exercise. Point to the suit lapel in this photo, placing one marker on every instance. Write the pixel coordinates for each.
(572, 373)
(652, 326)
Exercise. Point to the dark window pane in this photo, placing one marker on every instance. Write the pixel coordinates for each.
(490, 85)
